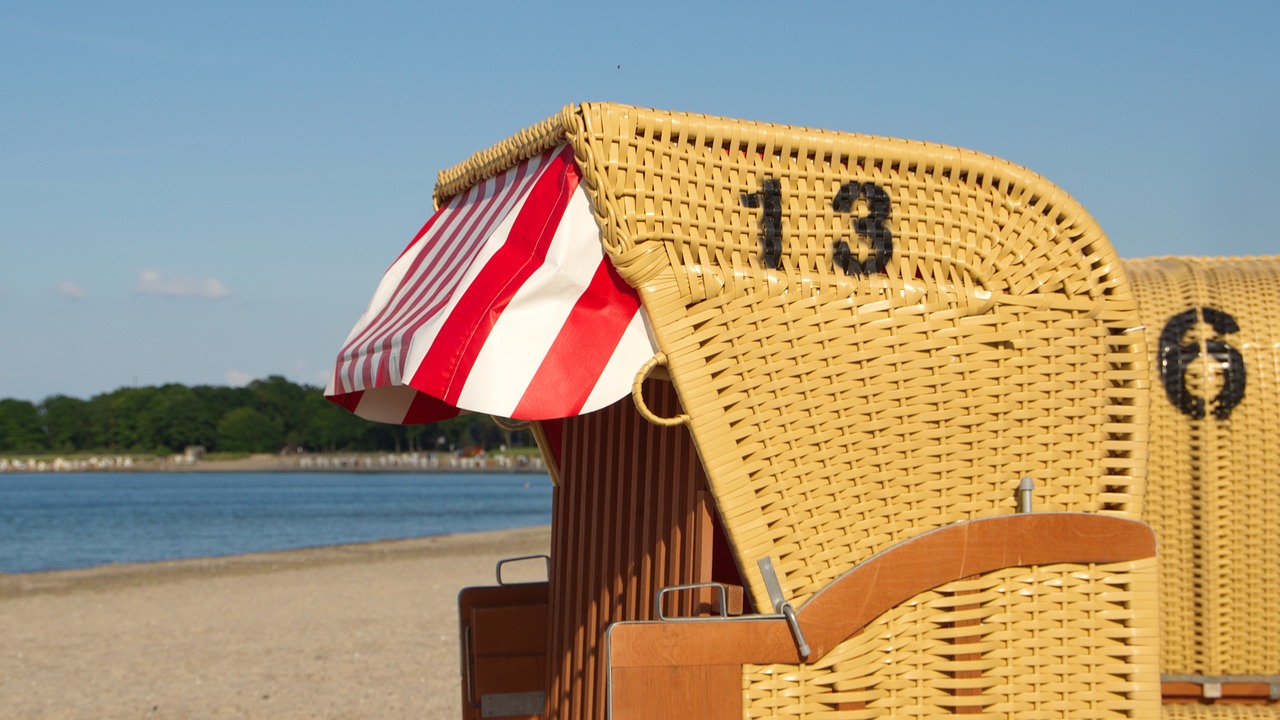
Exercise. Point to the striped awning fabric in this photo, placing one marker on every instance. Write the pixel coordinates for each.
(503, 304)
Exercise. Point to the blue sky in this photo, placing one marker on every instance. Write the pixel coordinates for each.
(207, 193)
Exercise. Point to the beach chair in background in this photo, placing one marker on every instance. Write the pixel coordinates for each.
(840, 426)
(1213, 332)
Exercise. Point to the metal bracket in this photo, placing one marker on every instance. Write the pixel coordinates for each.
(781, 606)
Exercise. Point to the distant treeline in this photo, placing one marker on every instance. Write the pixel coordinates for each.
(265, 416)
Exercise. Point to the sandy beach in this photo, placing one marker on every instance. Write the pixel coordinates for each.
(355, 631)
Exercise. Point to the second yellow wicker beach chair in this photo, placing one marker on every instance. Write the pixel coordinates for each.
(1213, 330)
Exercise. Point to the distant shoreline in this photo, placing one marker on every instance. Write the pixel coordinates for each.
(418, 462)
(118, 574)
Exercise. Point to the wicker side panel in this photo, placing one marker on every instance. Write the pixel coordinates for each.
(1060, 641)
(630, 516)
(1215, 464)
(839, 412)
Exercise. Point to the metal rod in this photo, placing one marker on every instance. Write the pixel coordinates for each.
(781, 606)
(1026, 489)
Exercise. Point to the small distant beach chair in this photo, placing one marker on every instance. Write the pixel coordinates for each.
(841, 426)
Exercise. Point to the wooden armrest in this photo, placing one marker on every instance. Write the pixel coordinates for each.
(676, 664)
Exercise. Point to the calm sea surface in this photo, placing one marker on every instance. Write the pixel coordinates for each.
(57, 521)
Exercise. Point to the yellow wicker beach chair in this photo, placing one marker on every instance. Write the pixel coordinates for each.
(872, 360)
(870, 344)
(1212, 328)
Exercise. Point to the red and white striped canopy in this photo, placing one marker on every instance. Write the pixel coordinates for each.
(504, 304)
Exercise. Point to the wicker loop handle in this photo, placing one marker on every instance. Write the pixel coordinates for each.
(637, 394)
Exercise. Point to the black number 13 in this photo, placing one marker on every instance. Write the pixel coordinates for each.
(873, 228)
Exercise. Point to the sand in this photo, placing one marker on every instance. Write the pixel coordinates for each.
(355, 631)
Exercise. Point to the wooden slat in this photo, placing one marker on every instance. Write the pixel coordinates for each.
(519, 630)
(628, 519)
(661, 693)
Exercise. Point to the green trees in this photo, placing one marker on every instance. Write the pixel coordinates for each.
(20, 427)
(266, 416)
(245, 429)
(67, 423)
(175, 419)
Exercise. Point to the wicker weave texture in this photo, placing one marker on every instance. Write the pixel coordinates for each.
(873, 337)
(1213, 328)
(501, 157)
(1061, 641)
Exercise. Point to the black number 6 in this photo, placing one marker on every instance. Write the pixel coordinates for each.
(1176, 356)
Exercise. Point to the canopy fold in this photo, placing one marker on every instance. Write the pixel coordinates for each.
(504, 303)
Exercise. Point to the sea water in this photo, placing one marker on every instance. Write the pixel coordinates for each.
(75, 520)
